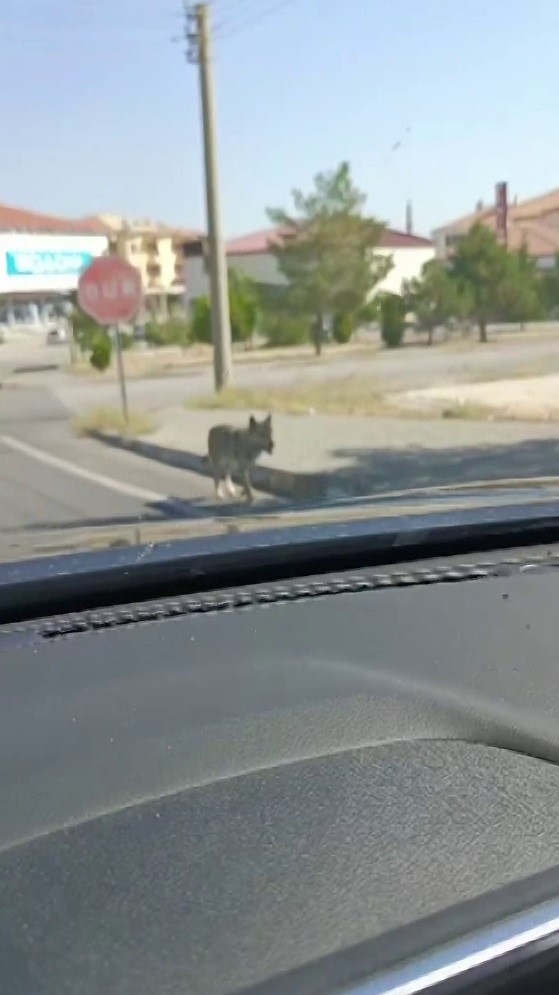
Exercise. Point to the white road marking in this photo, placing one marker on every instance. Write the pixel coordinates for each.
(129, 490)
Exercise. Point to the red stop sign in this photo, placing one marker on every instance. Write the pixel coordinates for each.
(110, 290)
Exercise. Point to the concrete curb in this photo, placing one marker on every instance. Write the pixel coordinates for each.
(280, 483)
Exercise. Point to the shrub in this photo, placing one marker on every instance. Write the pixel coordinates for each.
(85, 330)
(243, 306)
(174, 331)
(101, 350)
(285, 330)
(243, 311)
(201, 325)
(392, 320)
(343, 327)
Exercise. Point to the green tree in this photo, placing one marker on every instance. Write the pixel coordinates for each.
(326, 251)
(481, 267)
(433, 297)
(550, 289)
(392, 320)
(521, 291)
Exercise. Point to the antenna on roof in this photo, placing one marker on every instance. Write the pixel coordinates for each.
(409, 218)
(479, 206)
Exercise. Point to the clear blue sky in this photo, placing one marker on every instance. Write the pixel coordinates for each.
(100, 109)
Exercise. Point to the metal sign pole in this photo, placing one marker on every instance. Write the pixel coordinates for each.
(121, 377)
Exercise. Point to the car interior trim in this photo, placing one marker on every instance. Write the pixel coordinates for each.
(487, 946)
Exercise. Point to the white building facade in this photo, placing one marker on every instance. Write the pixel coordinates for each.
(252, 256)
(41, 259)
(39, 264)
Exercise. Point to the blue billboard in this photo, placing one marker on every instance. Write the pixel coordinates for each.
(66, 263)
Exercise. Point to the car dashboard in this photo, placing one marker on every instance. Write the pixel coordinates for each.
(345, 781)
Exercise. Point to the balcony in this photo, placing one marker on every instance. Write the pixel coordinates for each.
(150, 246)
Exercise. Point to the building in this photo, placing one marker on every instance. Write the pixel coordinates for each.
(532, 223)
(253, 256)
(41, 258)
(156, 250)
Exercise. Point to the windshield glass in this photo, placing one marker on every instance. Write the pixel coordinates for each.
(265, 258)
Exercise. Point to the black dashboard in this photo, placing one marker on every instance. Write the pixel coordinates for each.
(291, 786)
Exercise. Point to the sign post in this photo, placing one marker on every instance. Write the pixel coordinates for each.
(110, 292)
(121, 377)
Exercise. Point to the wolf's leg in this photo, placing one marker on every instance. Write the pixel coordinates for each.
(218, 483)
(230, 486)
(246, 485)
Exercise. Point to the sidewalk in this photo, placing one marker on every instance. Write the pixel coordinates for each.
(529, 398)
(320, 457)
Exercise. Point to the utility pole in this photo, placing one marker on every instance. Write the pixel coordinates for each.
(198, 36)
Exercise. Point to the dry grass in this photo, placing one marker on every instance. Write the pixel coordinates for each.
(467, 412)
(348, 396)
(112, 420)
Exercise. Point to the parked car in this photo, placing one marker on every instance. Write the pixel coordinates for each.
(56, 336)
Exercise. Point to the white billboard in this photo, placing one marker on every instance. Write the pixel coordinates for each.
(45, 263)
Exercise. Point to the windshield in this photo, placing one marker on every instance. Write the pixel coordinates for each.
(261, 258)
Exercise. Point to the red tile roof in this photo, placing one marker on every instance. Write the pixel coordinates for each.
(254, 244)
(392, 239)
(534, 209)
(260, 242)
(16, 219)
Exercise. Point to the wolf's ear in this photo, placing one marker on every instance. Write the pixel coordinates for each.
(252, 422)
(269, 420)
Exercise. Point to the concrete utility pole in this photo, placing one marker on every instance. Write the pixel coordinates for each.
(198, 35)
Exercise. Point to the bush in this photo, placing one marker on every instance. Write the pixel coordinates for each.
(392, 320)
(243, 312)
(201, 325)
(286, 330)
(85, 330)
(243, 306)
(101, 350)
(343, 327)
(174, 331)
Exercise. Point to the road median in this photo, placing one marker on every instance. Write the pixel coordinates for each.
(273, 480)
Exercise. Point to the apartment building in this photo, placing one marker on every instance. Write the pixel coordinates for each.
(156, 250)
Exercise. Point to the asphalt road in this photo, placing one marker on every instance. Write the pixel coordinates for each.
(53, 484)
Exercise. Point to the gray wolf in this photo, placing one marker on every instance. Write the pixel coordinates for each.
(235, 450)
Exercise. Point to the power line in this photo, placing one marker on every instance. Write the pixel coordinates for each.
(228, 28)
(227, 7)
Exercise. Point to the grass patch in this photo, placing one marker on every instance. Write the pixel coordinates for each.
(112, 420)
(468, 411)
(348, 396)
